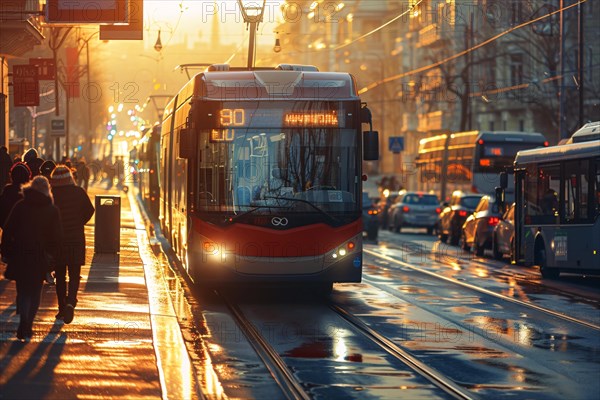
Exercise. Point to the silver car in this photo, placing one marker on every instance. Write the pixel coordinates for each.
(416, 209)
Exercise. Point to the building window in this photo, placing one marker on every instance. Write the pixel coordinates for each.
(516, 12)
(521, 125)
(516, 69)
(492, 126)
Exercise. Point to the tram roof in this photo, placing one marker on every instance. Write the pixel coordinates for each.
(512, 136)
(274, 84)
(590, 131)
(559, 152)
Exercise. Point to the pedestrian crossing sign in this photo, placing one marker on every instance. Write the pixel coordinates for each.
(396, 144)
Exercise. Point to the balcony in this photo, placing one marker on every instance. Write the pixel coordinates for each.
(20, 27)
(431, 35)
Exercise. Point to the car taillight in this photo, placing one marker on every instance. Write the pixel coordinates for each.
(462, 213)
(438, 210)
(405, 209)
(493, 221)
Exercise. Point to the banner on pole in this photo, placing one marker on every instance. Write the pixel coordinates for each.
(27, 86)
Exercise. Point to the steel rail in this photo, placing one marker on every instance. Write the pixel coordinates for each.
(393, 349)
(289, 385)
(486, 291)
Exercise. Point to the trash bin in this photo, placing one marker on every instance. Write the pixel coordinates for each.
(107, 232)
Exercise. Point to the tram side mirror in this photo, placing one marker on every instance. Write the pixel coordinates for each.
(365, 114)
(370, 145)
(503, 180)
(187, 143)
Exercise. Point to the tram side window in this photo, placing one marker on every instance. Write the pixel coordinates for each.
(576, 191)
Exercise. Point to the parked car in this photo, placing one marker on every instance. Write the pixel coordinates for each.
(478, 229)
(370, 217)
(454, 215)
(415, 209)
(504, 235)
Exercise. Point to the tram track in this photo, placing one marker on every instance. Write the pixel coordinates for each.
(488, 292)
(444, 257)
(402, 355)
(293, 389)
(290, 387)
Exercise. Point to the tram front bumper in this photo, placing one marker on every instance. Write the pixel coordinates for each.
(214, 264)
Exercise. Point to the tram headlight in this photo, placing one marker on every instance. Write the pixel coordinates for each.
(344, 249)
(211, 248)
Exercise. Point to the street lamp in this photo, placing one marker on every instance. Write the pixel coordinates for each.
(253, 15)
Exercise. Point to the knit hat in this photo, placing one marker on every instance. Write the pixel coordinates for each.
(47, 168)
(61, 176)
(20, 173)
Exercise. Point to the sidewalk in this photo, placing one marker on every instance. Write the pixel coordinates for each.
(114, 347)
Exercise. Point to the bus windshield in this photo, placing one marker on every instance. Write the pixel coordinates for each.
(291, 170)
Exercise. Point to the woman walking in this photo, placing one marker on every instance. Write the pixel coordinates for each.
(32, 233)
(75, 209)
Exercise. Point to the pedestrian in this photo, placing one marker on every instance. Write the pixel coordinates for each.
(83, 174)
(19, 174)
(5, 166)
(33, 161)
(76, 209)
(47, 168)
(31, 234)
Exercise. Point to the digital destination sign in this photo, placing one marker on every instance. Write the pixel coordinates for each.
(278, 118)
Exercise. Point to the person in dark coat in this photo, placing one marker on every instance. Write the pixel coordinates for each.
(83, 174)
(47, 168)
(6, 163)
(19, 174)
(33, 161)
(32, 233)
(75, 209)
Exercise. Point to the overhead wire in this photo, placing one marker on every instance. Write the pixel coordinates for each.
(410, 9)
(466, 51)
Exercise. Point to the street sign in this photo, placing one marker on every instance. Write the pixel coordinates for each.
(396, 144)
(57, 127)
(46, 68)
(27, 85)
(86, 12)
(134, 30)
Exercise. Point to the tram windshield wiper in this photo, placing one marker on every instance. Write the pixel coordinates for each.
(330, 217)
(250, 211)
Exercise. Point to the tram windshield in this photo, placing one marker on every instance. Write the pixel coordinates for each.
(308, 168)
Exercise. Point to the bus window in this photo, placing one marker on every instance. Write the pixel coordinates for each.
(576, 190)
(542, 188)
